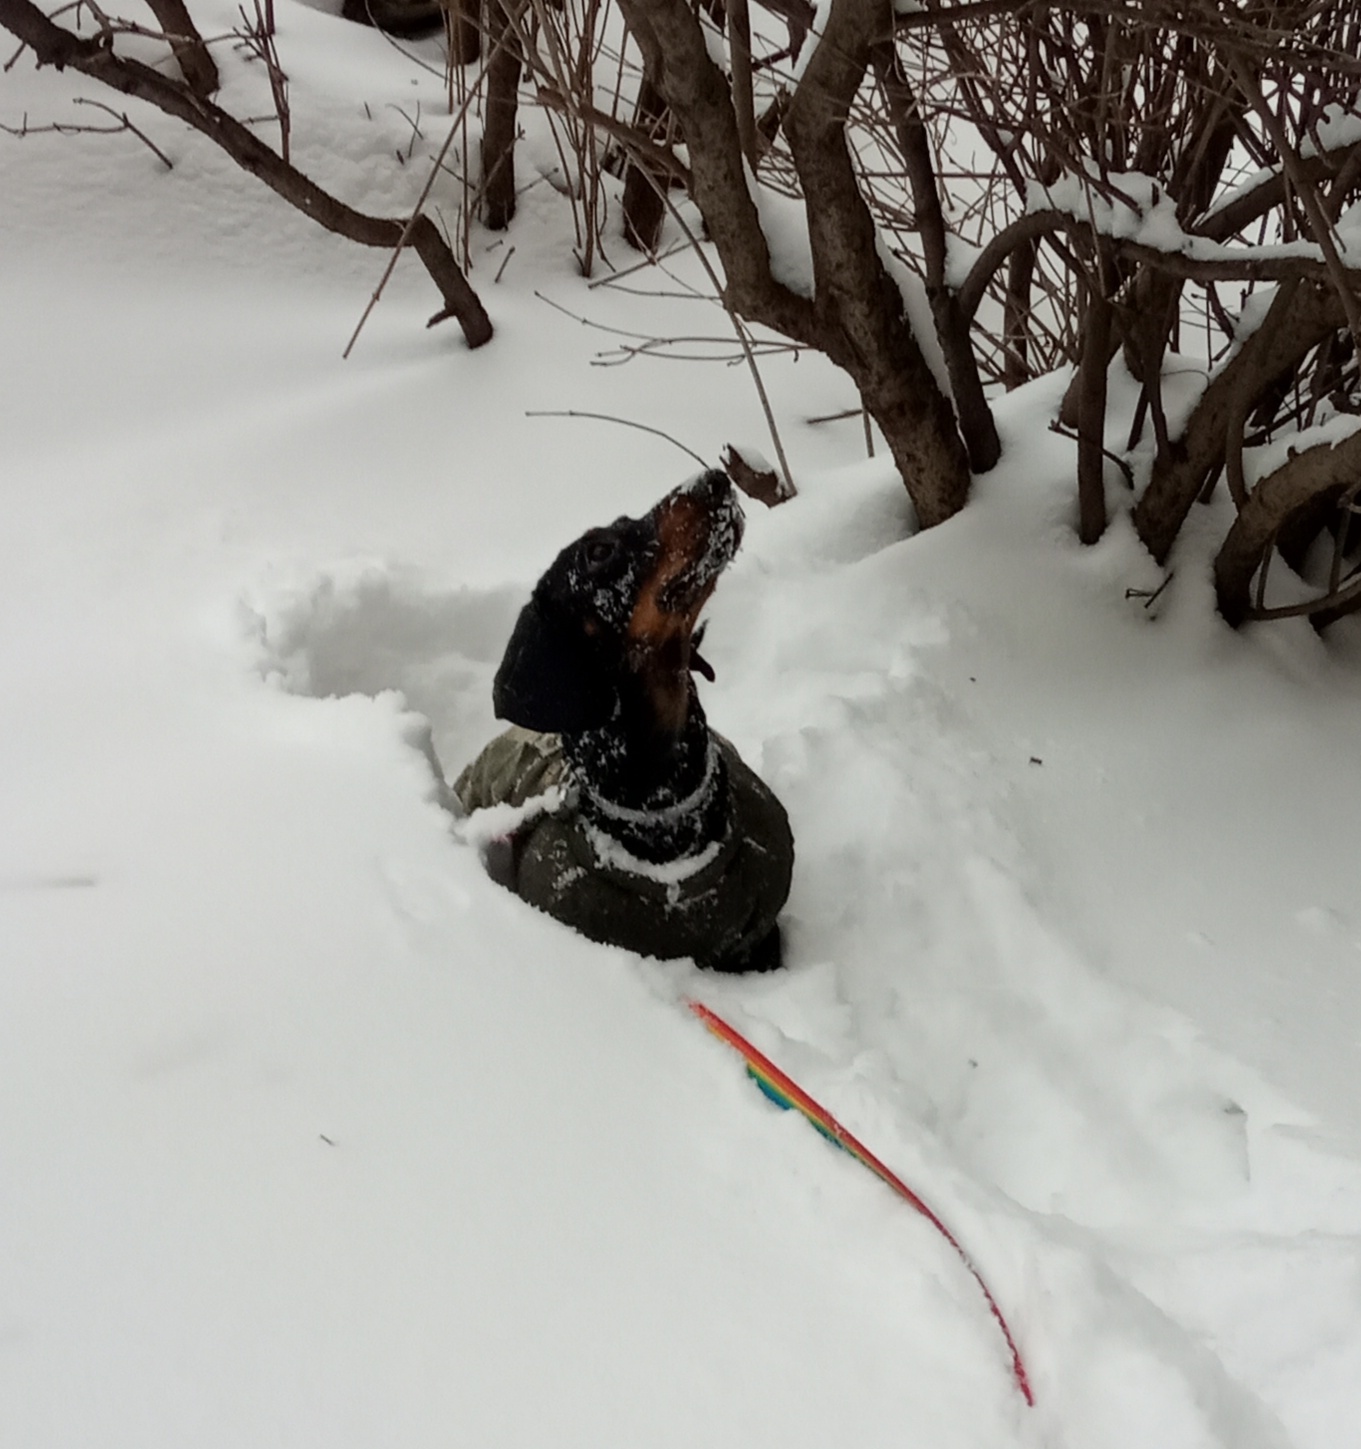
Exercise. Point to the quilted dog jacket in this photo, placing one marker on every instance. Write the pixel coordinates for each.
(717, 907)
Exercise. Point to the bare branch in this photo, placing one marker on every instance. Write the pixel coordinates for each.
(66, 128)
(54, 46)
(186, 43)
(1319, 471)
(623, 422)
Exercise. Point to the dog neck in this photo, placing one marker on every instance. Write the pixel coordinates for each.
(662, 796)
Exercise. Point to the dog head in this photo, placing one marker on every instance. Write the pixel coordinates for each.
(613, 620)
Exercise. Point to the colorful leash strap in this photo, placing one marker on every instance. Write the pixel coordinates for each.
(785, 1092)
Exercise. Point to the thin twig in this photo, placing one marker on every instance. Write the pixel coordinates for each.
(454, 128)
(136, 131)
(60, 128)
(1057, 427)
(614, 277)
(649, 346)
(401, 49)
(416, 132)
(742, 336)
(623, 422)
(1151, 596)
(1342, 598)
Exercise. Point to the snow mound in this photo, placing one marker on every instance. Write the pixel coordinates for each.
(373, 628)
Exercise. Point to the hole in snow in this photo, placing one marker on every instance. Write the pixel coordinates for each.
(380, 630)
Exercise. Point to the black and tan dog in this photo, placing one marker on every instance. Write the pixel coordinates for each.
(657, 836)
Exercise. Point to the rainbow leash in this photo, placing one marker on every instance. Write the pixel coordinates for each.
(786, 1093)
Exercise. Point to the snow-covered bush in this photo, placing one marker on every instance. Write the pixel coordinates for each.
(945, 201)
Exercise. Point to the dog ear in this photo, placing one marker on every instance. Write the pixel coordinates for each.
(551, 678)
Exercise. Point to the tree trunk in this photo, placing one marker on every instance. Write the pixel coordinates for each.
(196, 64)
(1016, 316)
(863, 318)
(500, 124)
(644, 184)
(1091, 425)
(1301, 316)
(743, 97)
(953, 329)
(857, 316)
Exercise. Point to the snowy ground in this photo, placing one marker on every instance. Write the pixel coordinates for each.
(309, 1136)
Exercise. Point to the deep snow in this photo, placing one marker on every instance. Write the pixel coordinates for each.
(311, 1136)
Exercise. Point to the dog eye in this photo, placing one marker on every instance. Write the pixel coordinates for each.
(600, 551)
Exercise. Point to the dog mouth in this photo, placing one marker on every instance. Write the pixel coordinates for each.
(699, 530)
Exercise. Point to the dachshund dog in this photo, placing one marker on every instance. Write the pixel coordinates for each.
(641, 827)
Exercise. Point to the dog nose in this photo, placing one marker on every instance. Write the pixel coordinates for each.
(713, 486)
